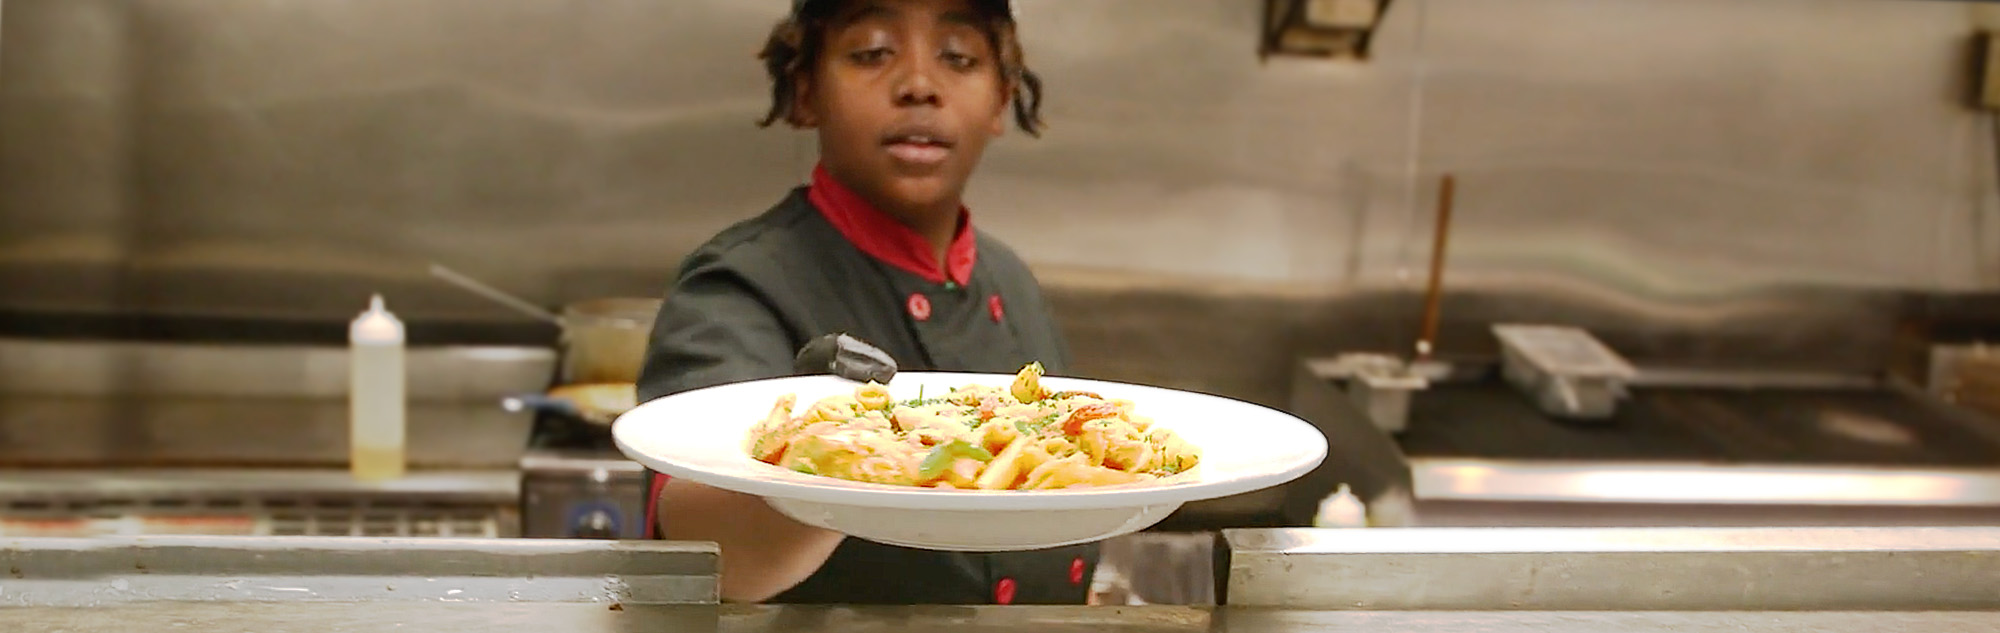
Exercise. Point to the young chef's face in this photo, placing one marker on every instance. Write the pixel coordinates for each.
(906, 95)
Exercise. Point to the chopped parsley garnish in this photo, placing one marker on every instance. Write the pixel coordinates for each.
(921, 401)
(1031, 427)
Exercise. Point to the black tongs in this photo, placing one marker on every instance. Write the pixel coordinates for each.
(847, 357)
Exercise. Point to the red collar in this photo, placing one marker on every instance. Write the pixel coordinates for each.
(883, 238)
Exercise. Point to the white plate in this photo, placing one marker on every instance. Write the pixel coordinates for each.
(702, 436)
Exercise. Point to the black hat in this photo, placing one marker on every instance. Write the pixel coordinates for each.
(1005, 6)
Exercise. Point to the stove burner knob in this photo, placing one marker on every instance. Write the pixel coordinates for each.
(596, 524)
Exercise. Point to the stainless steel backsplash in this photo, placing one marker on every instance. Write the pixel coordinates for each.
(1700, 180)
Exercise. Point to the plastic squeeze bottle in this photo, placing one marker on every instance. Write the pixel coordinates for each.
(1341, 510)
(376, 406)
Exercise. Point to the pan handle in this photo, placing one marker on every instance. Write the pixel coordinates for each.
(495, 294)
(539, 403)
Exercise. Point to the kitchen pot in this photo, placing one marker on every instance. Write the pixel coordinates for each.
(604, 340)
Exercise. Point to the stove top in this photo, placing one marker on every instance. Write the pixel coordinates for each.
(557, 433)
(1797, 426)
(576, 484)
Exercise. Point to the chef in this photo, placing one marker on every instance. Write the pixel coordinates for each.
(903, 96)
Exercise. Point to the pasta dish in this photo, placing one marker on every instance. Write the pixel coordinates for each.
(976, 437)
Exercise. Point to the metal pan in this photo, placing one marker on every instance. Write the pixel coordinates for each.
(603, 340)
(594, 404)
(600, 403)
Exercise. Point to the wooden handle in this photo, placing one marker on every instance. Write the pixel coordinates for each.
(1434, 295)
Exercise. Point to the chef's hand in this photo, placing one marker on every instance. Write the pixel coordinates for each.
(847, 357)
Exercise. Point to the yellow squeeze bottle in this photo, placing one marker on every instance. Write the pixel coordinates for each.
(376, 407)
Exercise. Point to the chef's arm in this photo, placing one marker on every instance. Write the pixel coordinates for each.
(763, 552)
(714, 329)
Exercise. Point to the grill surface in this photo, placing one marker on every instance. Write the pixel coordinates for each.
(1860, 427)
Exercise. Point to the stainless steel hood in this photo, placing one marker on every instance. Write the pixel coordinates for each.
(282, 160)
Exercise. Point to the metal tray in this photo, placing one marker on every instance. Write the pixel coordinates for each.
(1567, 372)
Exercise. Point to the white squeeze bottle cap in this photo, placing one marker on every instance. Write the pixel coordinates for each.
(377, 325)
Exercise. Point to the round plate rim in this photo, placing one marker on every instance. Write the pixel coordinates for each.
(842, 492)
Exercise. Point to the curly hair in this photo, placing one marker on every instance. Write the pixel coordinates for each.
(794, 49)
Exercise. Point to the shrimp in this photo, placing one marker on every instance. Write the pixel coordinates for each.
(1088, 412)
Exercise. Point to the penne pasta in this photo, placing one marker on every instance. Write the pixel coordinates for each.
(977, 437)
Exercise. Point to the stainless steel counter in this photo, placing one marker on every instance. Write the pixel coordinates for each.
(92, 404)
(596, 618)
(1706, 447)
(189, 432)
(254, 502)
(373, 573)
(1446, 479)
(1632, 569)
(492, 485)
(1504, 493)
(1440, 580)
